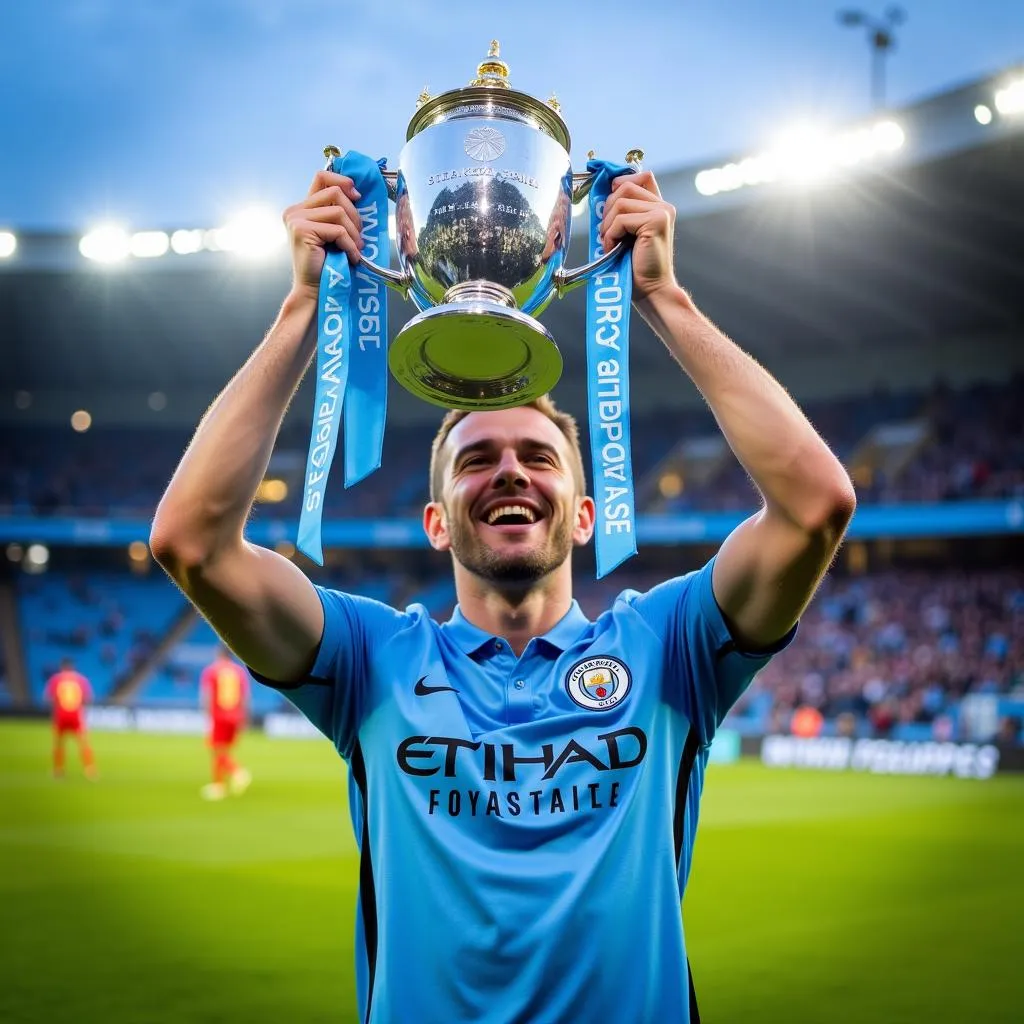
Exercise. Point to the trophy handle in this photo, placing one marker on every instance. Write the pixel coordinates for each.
(583, 181)
(581, 185)
(398, 281)
(391, 180)
(568, 280)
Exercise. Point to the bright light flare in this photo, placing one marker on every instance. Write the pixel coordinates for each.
(272, 490)
(149, 244)
(185, 242)
(37, 554)
(804, 155)
(106, 244)
(81, 421)
(983, 114)
(254, 234)
(138, 551)
(8, 244)
(888, 136)
(1010, 99)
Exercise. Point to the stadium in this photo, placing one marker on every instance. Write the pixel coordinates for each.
(861, 829)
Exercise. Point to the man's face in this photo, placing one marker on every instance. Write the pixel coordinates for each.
(509, 509)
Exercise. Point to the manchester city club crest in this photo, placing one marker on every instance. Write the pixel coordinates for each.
(598, 684)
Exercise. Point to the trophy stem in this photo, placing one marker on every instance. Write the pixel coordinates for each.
(484, 291)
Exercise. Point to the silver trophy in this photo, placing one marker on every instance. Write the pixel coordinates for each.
(483, 210)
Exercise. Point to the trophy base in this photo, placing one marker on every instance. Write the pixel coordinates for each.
(475, 354)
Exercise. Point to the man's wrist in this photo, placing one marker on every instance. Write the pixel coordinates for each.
(658, 304)
(301, 301)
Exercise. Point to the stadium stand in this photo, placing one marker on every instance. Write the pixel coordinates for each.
(893, 654)
(106, 622)
(963, 444)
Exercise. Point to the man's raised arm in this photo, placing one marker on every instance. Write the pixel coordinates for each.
(770, 565)
(260, 603)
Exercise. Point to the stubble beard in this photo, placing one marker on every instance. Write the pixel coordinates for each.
(509, 567)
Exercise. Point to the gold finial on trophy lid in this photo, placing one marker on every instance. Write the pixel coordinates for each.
(492, 72)
(635, 157)
(591, 154)
(552, 102)
(330, 152)
(423, 97)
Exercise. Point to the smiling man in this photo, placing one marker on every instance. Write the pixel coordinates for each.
(524, 782)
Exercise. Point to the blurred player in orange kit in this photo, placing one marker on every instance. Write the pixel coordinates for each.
(225, 695)
(69, 691)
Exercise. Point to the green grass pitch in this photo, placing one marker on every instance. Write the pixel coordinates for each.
(814, 897)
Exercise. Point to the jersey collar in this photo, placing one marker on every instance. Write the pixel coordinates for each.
(472, 639)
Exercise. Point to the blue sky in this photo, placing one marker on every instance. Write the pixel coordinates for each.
(172, 113)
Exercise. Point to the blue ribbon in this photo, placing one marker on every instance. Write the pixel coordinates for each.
(609, 295)
(351, 355)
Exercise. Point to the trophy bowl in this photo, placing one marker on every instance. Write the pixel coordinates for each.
(483, 209)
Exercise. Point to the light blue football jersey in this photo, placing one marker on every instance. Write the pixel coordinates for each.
(526, 825)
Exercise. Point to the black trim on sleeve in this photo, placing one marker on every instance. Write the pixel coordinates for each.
(686, 762)
(689, 755)
(367, 891)
(727, 648)
(285, 687)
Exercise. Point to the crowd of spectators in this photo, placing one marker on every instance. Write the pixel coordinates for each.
(976, 449)
(902, 648)
(973, 448)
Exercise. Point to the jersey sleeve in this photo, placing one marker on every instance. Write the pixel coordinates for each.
(334, 695)
(705, 671)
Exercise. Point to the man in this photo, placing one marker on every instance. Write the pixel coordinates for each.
(224, 693)
(69, 692)
(523, 782)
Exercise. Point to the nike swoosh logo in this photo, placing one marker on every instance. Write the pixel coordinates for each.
(422, 690)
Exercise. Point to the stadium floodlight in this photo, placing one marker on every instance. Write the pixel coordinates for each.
(888, 136)
(1010, 99)
(881, 39)
(106, 244)
(149, 244)
(804, 154)
(983, 114)
(706, 182)
(8, 244)
(254, 234)
(184, 243)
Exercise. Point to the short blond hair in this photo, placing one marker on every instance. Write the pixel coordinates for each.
(565, 422)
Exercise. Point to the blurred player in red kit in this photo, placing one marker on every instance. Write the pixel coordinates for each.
(225, 695)
(69, 691)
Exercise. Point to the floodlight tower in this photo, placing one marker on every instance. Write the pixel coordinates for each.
(881, 39)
